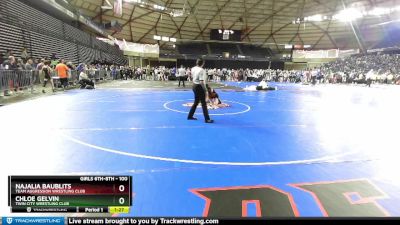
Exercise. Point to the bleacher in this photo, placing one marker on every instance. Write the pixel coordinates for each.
(255, 51)
(74, 33)
(24, 26)
(32, 17)
(43, 45)
(13, 33)
(219, 49)
(193, 49)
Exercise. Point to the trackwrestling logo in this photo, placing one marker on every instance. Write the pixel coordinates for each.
(33, 220)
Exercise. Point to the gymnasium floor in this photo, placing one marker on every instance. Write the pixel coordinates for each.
(327, 150)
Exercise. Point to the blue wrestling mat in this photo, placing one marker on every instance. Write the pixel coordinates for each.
(298, 151)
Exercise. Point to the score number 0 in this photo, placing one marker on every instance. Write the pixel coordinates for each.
(121, 200)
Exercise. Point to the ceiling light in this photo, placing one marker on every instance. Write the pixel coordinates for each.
(165, 38)
(156, 37)
(287, 46)
(348, 15)
(379, 11)
(315, 18)
(176, 13)
(172, 39)
(158, 7)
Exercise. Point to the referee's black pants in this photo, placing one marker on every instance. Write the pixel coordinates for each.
(181, 79)
(199, 96)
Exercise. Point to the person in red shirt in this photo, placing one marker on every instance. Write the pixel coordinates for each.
(62, 72)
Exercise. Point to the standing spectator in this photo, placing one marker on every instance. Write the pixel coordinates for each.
(54, 62)
(114, 72)
(71, 68)
(9, 64)
(29, 65)
(62, 72)
(39, 68)
(121, 72)
(40, 65)
(369, 76)
(24, 54)
(20, 64)
(390, 78)
(173, 71)
(35, 63)
(46, 69)
(92, 72)
(162, 74)
(189, 74)
(181, 76)
(155, 74)
(80, 67)
(148, 72)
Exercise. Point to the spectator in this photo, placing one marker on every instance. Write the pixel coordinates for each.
(20, 64)
(114, 72)
(40, 65)
(148, 72)
(85, 82)
(29, 65)
(181, 76)
(62, 72)
(46, 69)
(9, 64)
(24, 54)
(54, 62)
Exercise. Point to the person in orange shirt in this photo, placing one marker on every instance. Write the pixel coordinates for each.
(62, 71)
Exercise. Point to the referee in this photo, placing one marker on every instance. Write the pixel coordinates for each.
(199, 88)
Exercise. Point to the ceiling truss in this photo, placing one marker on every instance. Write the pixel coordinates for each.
(262, 22)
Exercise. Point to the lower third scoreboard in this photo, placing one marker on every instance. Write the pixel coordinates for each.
(86, 194)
